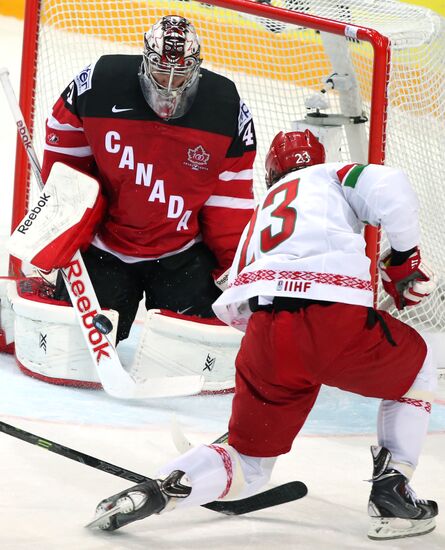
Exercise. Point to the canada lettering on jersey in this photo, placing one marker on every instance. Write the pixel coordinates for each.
(166, 182)
(143, 175)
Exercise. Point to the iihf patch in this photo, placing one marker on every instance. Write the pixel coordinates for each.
(244, 116)
(84, 79)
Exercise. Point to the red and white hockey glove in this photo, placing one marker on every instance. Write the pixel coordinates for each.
(409, 282)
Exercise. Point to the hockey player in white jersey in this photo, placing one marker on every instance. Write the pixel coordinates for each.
(301, 289)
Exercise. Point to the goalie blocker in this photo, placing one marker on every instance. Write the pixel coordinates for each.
(49, 344)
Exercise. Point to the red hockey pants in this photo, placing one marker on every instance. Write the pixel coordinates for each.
(285, 357)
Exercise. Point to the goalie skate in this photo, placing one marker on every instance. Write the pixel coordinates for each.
(141, 501)
(395, 510)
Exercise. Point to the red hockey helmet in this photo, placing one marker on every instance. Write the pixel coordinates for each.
(292, 151)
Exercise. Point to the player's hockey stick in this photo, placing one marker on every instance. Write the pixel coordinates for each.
(287, 492)
(115, 380)
(272, 497)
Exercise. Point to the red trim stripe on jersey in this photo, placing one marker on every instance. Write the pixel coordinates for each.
(350, 174)
(320, 278)
(344, 171)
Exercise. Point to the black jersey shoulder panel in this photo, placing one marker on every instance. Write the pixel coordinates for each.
(115, 93)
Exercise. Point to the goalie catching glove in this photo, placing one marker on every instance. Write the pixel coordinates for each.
(62, 220)
(409, 282)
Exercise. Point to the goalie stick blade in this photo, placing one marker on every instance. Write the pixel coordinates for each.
(119, 384)
(168, 386)
(294, 490)
(123, 387)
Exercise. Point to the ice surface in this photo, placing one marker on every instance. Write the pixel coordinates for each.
(46, 499)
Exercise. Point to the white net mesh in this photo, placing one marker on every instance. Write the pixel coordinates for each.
(276, 67)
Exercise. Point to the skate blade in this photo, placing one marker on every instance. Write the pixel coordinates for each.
(398, 528)
(100, 520)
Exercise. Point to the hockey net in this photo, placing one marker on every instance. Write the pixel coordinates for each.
(389, 109)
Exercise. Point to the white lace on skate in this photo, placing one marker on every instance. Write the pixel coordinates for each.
(413, 497)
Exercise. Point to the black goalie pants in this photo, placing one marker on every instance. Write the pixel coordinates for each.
(182, 283)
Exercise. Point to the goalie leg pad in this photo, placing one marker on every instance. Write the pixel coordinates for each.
(6, 315)
(49, 344)
(172, 344)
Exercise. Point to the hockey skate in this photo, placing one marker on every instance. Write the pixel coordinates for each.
(140, 501)
(395, 510)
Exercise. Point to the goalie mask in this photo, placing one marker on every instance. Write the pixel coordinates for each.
(292, 151)
(169, 74)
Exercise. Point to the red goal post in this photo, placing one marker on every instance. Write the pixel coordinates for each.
(389, 107)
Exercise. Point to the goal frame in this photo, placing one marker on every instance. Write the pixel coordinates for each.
(377, 122)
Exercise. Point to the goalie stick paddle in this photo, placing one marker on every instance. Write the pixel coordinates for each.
(272, 497)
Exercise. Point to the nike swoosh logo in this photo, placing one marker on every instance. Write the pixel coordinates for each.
(116, 110)
(184, 310)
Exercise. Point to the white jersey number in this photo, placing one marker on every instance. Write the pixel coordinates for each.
(248, 135)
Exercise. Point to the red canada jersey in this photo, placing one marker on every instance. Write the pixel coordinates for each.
(168, 183)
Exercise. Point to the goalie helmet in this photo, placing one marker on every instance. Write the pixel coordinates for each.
(169, 73)
(292, 151)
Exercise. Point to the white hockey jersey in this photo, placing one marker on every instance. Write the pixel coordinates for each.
(305, 238)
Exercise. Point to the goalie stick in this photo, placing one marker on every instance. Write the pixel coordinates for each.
(115, 380)
(288, 492)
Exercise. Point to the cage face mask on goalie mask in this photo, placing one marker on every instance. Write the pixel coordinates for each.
(169, 74)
